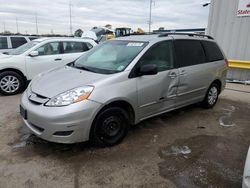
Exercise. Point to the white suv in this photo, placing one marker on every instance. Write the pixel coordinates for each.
(9, 43)
(34, 57)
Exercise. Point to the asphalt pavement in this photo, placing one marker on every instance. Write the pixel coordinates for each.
(189, 147)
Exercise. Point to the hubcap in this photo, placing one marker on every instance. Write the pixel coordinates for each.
(9, 84)
(212, 95)
(111, 127)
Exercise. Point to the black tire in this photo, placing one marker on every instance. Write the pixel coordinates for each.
(110, 127)
(211, 97)
(19, 82)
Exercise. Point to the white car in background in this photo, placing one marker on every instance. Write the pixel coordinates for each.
(22, 64)
(9, 43)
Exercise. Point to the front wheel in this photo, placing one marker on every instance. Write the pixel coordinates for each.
(211, 96)
(11, 83)
(109, 127)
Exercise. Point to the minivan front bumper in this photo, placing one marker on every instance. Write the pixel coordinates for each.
(67, 124)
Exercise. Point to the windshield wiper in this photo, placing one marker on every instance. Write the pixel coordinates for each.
(84, 68)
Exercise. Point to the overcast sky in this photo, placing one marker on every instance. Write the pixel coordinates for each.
(54, 15)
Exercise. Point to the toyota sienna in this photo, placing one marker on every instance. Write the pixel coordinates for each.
(122, 82)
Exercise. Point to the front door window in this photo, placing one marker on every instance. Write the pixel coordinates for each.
(49, 49)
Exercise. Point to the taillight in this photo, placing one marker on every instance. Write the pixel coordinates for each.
(226, 62)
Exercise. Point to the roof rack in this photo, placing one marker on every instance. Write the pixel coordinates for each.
(188, 34)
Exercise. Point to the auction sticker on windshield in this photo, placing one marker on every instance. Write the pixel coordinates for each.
(135, 44)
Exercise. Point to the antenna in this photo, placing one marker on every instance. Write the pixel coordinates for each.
(70, 18)
(150, 16)
(36, 25)
(4, 29)
(17, 25)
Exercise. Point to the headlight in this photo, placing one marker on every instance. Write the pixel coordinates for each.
(71, 96)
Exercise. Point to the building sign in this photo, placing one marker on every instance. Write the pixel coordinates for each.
(243, 8)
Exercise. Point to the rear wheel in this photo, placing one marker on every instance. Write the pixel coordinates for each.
(109, 127)
(11, 83)
(211, 96)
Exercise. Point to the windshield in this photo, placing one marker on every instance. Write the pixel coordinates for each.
(23, 48)
(110, 57)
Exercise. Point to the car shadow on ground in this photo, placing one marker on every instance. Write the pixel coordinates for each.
(27, 142)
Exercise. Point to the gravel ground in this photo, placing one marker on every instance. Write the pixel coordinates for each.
(189, 147)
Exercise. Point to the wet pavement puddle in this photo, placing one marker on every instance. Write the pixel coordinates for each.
(226, 119)
(176, 150)
(203, 161)
(28, 143)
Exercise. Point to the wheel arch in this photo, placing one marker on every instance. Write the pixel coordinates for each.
(125, 105)
(219, 83)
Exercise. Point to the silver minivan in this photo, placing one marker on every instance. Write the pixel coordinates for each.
(122, 82)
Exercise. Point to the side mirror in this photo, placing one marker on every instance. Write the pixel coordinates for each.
(33, 54)
(150, 69)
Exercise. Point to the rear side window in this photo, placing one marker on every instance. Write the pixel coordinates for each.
(75, 47)
(161, 55)
(17, 41)
(3, 43)
(212, 51)
(189, 52)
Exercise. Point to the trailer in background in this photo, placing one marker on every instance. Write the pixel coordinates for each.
(229, 24)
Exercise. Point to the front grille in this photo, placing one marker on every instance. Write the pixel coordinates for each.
(37, 99)
(35, 102)
(40, 96)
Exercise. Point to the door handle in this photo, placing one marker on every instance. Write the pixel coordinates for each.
(172, 75)
(58, 59)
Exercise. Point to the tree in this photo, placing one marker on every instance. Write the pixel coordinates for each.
(78, 33)
(7, 32)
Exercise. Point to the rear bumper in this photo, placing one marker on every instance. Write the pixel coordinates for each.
(68, 124)
(223, 78)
